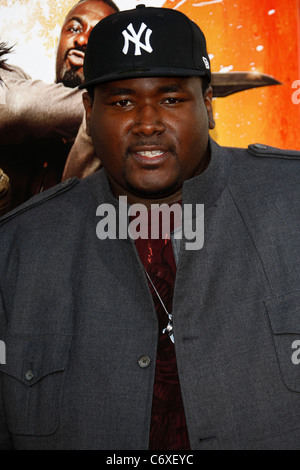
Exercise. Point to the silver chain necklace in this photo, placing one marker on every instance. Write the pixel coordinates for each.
(169, 329)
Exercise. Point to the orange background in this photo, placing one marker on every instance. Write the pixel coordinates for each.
(234, 29)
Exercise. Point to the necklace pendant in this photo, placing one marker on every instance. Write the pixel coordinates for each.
(169, 328)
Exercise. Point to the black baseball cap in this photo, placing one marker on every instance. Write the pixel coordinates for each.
(145, 42)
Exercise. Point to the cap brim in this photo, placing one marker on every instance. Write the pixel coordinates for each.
(153, 72)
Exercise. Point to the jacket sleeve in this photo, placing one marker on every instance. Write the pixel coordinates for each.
(5, 438)
(33, 109)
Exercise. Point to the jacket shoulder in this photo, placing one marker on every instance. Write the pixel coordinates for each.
(39, 199)
(265, 151)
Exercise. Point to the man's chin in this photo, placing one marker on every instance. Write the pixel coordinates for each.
(71, 79)
(153, 193)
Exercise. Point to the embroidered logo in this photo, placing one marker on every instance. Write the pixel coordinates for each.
(206, 63)
(135, 38)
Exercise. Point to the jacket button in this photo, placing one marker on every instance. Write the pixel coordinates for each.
(29, 375)
(144, 362)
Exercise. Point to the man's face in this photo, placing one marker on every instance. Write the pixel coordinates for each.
(73, 40)
(151, 134)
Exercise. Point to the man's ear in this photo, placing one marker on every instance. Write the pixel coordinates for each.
(88, 106)
(208, 97)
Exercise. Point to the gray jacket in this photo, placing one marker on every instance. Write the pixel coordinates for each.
(76, 315)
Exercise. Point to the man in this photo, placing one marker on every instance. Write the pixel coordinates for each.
(117, 341)
(39, 121)
(75, 32)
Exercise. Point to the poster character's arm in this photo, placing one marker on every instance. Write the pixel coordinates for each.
(33, 109)
(82, 160)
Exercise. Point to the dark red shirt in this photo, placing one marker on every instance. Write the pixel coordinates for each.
(168, 425)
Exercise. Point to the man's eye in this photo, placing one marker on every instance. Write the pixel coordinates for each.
(123, 103)
(74, 27)
(75, 30)
(172, 101)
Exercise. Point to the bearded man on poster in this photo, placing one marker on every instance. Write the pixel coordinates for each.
(39, 121)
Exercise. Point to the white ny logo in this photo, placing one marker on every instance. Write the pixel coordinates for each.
(136, 39)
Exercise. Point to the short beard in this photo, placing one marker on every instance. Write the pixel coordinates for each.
(71, 79)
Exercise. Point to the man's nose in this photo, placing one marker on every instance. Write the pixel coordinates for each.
(148, 121)
(81, 39)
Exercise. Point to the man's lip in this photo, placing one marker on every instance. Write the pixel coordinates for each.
(150, 154)
(76, 57)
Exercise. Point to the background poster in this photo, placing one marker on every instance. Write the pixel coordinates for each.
(260, 37)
